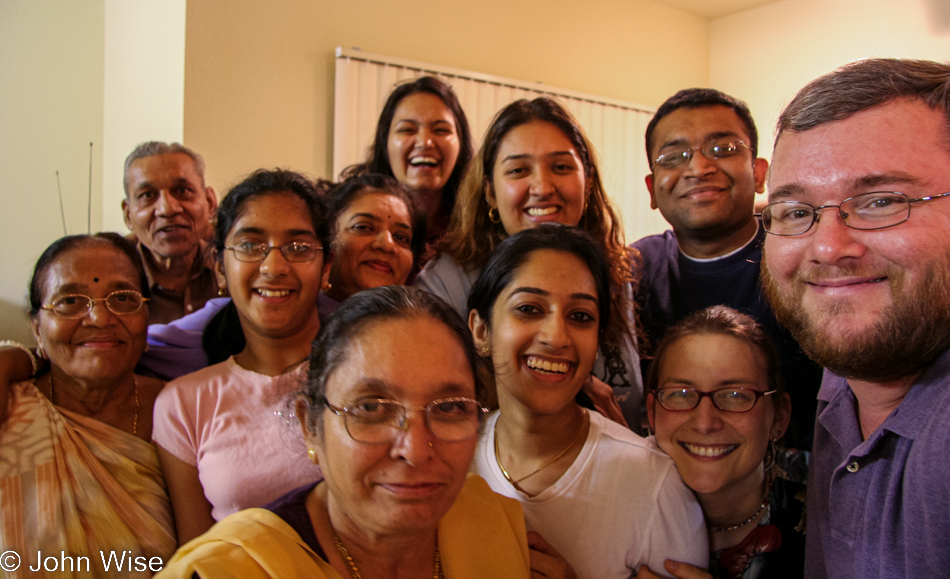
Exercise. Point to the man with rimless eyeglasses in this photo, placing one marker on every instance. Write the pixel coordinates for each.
(702, 147)
(858, 267)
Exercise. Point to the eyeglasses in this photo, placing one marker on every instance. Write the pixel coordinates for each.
(379, 421)
(74, 306)
(293, 251)
(725, 399)
(867, 211)
(715, 149)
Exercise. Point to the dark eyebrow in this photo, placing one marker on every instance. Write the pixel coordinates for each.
(892, 178)
(521, 156)
(866, 183)
(684, 142)
(786, 192)
(144, 185)
(81, 288)
(383, 389)
(541, 292)
(70, 288)
(258, 231)
(372, 216)
(377, 218)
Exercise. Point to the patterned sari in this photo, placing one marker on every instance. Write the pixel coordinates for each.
(83, 494)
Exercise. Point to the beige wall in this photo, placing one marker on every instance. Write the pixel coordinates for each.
(109, 72)
(51, 63)
(765, 55)
(259, 76)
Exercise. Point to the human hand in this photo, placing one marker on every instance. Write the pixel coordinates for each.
(677, 569)
(603, 398)
(546, 561)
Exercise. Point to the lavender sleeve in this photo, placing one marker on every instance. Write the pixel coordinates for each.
(174, 349)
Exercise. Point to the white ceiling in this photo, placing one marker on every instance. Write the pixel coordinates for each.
(716, 8)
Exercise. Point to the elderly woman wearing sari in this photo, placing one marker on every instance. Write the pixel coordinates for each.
(78, 475)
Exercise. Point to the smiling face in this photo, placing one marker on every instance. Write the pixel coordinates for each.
(372, 245)
(167, 205)
(867, 304)
(543, 333)
(538, 177)
(102, 345)
(705, 197)
(408, 484)
(423, 142)
(716, 450)
(274, 297)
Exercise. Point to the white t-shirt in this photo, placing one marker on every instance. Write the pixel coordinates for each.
(235, 425)
(620, 505)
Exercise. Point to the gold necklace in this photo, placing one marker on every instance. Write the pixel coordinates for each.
(355, 572)
(543, 466)
(135, 396)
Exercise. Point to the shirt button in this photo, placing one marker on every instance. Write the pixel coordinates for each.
(853, 467)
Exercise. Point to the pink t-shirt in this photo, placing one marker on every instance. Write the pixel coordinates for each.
(239, 429)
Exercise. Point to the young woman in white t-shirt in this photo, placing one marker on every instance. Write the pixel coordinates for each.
(600, 496)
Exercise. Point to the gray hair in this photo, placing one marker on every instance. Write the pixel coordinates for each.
(154, 148)
(865, 84)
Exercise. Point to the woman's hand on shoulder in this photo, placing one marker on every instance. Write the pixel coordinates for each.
(677, 570)
(15, 366)
(546, 561)
(602, 396)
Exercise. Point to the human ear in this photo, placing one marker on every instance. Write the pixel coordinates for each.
(219, 269)
(481, 333)
(649, 182)
(651, 411)
(212, 200)
(783, 416)
(127, 213)
(309, 438)
(761, 170)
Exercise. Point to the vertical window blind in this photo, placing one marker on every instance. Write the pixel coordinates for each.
(615, 128)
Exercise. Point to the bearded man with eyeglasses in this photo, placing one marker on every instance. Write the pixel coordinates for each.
(857, 266)
(702, 146)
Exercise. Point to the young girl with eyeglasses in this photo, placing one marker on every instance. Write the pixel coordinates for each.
(223, 434)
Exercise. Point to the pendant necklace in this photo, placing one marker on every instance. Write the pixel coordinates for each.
(543, 466)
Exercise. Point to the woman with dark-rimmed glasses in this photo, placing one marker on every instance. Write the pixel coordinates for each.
(718, 407)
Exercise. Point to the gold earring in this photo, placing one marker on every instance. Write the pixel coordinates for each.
(223, 291)
(311, 454)
(493, 215)
(484, 351)
(326, 287)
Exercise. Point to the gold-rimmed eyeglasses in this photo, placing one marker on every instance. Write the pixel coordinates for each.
(74, 306)
(379, 421)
